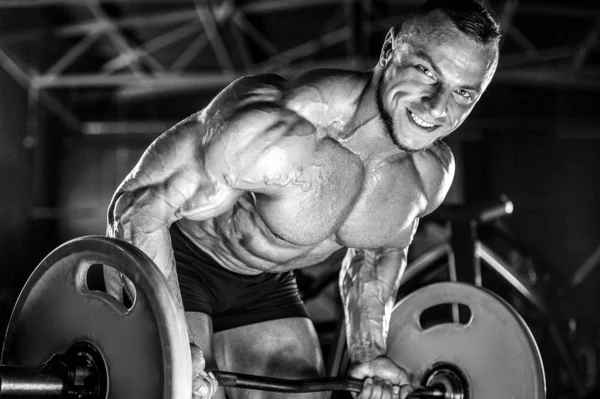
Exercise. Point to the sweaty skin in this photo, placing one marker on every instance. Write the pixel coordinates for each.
(275, 175)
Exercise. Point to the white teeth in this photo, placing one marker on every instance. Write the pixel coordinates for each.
(420, 121)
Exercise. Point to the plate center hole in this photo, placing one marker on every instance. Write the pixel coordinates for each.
(445, 313)
(95, 281)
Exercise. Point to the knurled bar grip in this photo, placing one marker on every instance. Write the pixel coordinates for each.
(236, 380)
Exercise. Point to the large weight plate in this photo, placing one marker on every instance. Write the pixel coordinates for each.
(145, 348)
(494, 349)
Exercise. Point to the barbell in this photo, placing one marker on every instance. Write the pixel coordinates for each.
(67, 340)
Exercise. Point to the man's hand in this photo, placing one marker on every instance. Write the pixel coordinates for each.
(382, 379)
(204, 384)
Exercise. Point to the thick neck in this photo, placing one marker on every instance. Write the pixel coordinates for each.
(365, 133)
(366, 107)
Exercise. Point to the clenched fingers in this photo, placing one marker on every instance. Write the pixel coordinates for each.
(377, 388)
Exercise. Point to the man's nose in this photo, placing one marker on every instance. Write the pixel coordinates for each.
(436, 102)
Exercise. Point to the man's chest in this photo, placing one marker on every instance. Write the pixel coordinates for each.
(370, 211)
(390, 199)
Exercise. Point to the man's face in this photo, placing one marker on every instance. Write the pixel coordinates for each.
(432, 82)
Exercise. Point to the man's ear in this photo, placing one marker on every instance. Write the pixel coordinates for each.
(389, 44)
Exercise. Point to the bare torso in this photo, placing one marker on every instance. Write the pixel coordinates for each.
(336, 195)
(275, 175)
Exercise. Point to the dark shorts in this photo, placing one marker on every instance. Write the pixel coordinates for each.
(231, 299)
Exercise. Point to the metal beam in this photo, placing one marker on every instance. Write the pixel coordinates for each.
(169, 84)
(130, 54)
(148, 128)
(188, 55)
(286, 61)
(567, 128)
(73, 54)
(210, 80)
(311, 47)
(139, 21)
(46, 99)
(585, 47)
(159, 80)
(211, 27)
(256, 6)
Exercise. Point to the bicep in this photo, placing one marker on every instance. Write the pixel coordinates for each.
(394, 254)
(385, 264)
(436, 168)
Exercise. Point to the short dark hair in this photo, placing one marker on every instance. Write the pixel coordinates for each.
(468, 16)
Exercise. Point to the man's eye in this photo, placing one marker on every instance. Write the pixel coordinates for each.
(465, 94)
(425, 71)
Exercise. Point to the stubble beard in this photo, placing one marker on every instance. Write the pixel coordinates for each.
(388, 121)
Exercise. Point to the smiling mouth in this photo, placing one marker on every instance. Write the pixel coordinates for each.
(420, 122)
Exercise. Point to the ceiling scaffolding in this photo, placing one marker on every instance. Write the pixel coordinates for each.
(156, 47)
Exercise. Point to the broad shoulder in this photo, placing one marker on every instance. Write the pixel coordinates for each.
(318, 96)
(326, 86)
(324, 95)
(244, 94)
(238, 117)
(435, 166)
(250, 133)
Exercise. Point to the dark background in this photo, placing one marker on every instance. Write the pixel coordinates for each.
(66, 142)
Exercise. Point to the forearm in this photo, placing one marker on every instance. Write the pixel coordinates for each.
(137, 216)
(147, 232)
(368, 284)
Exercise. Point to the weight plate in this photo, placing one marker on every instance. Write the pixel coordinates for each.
(495, 349)
(145, 348)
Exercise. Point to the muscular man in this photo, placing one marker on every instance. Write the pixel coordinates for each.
(275, 175)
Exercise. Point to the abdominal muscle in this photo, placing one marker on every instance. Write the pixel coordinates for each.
(240, 241)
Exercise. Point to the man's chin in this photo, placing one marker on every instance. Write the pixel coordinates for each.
(408, 145)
